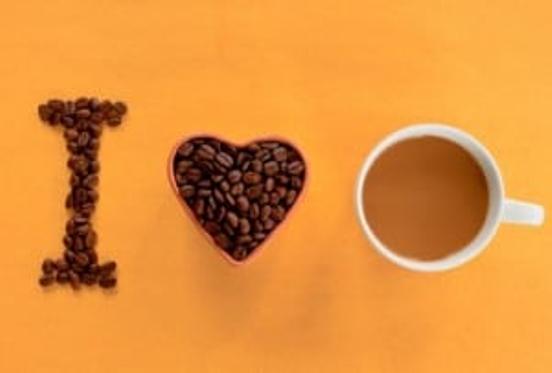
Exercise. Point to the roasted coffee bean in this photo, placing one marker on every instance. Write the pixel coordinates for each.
(281, 191)
(89, 279)
(269, 225)
(91, 239)
(239, 195)
(256, 166)
(254, 192)
(47, 279)
(206, 151)
(234, 176)
(245, 226)
(269, 184)
(296, 183)
(62, 277)
(232, 219)
(187, 191)
(219, 196)
(239, 253)
(243, 203)
(280, 154)
(78, 244)
(199, 207)
(271, 168)
(223, 241)
(265, 212)
(291, 197)
(224, 186)
(62, 265)
(44, 112)
(74, 279)
(295, 168)
(278, 213)
(107, 268)
(211, 227)
(259, 236)
(237, 189)
(67, 241)
(264, 198)
(107, 282)
(120, 107)
(254, 211)
(230, 199)
(48, 266)
(224, 159)
(92, 256)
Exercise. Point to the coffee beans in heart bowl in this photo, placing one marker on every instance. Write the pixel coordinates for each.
(238, 195)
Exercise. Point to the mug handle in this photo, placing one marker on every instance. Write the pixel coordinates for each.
(519, 212)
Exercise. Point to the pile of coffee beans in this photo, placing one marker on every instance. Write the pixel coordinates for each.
(82, 122)
(239, 194)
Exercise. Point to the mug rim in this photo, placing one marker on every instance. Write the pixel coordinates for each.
(494, 184)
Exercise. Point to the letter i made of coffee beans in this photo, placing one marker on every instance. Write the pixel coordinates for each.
(82, 122)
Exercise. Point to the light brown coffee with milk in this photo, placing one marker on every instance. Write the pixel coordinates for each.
(425, 198)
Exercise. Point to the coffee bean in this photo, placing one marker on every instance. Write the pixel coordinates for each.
(224, 186)
(281, 191)
(120, 107)
(278, 213)
(243, 203)
(257, 166)
(271, 168)
(296, 183)
(107, 282)
(62, 277)
(237, 189)
(225, 159)
(232, 219)
(74, 280)
(254, 211)
(239, 253)
(282, 179)
(223, 240)
(291, 197)
(245, 226)
(211, 227)
(206, 151)
(89, 279)
(107, 268)
(48, 266)
(265, 212)
(244, 239)
(259, 236)
(227, 228)
(91, 239)
(44, 112)
(62, 265)
(78, 244)
(219, 196)
(234, 176)
(252, 178)
(274, 198)
(230, 199)
(187, 191)
(296, 168)
(186, 149)
(264, 199)
(221, 214)
(254, 192)
(204, 192)
(280, 154)
(269, 225)
(269, 184)
(47, 279)
(199, 207)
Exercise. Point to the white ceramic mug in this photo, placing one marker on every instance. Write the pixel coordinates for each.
(500, 208)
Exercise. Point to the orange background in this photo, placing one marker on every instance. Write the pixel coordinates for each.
(332, 76)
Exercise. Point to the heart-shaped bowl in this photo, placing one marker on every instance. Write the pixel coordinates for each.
(257, 250)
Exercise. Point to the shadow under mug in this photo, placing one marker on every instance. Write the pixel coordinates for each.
(500, 208)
